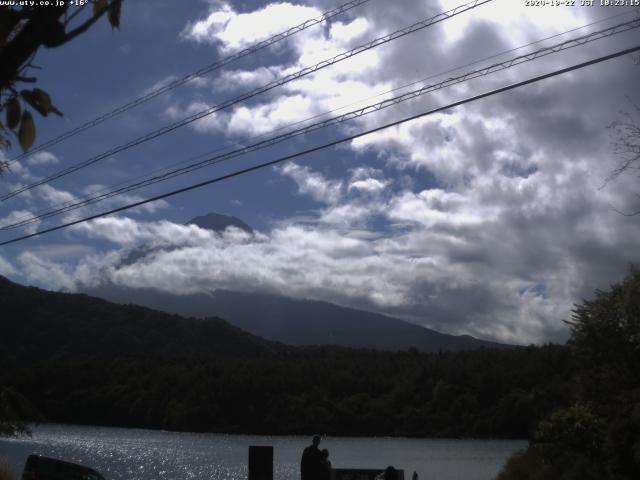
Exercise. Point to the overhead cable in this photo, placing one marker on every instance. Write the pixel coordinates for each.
(229, 143)
(197, 74)
(265, 88)
(327, 145)
(543, 52)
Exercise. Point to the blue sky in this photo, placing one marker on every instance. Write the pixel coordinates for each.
(487, 219)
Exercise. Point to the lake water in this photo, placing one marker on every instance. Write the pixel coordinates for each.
(131, 454)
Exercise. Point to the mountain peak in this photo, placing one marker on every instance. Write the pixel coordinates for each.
(218, 223)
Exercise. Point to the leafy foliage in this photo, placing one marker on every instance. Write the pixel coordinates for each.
(576, 428)
(598, 436)
(14, 412)
(24, 28)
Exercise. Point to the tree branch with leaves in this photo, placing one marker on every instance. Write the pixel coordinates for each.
(23, 31)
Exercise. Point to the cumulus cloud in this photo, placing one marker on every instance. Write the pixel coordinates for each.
(45, 272)
(265, 118)
(295, 101)
(312, 183)
(42, 158)
(18, 216)
(486, 219)
(230, 80)
(410, 275)
(367, 180)
(234, 31)
(127, 232)
(55, 196)
(47, 198)
(6, 268)
(20, 172)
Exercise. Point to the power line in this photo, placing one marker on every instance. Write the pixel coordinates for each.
(330, 144)
(265, 88)
(197, 74)
(25, 219)
(578, 41)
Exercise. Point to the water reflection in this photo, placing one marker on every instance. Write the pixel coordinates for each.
(130, 454)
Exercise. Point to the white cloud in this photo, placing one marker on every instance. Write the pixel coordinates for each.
(368, 180)
(370, 185)
(45, 272)
(235, 31)
(485, 219)
(315, 263)
(344, 34)
(21, 171)
(127, 232)
(265, 118)
(43, 158)
(340, 85)
(6, 268)
(435, 207)
(232, 79)
(312, 183)
(513, 17)
(63, 252)
(53, 196)
(17, 216)
(349, 215)
(46, 198)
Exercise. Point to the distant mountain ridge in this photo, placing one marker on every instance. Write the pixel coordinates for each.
(290, 321)
(37, 323)
(297, 322)
(219, 223)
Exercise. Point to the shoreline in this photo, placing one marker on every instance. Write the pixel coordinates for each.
(274, 435)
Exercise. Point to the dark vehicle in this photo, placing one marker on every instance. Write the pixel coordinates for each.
(44, 468)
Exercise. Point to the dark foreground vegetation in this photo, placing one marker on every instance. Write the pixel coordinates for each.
(76, 359)
(597, 436)
(79, 359)
(336, 391)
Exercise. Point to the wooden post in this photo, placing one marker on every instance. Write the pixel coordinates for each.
(260, 463)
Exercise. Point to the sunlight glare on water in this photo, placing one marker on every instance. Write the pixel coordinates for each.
(131, 454)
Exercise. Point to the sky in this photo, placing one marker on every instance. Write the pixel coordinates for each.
(491, 219)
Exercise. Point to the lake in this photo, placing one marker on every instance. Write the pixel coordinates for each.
(133, 454)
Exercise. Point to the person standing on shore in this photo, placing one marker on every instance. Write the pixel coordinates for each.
(311, 462)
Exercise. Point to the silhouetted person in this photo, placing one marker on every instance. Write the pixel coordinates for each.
(325, 465)
(390, 473)
(311, 462)
(414, 476)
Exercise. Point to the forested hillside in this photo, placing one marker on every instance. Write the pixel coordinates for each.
(78, 359)
(37, 324)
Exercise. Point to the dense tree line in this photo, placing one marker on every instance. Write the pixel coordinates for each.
(80, 359)
(484, 393)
